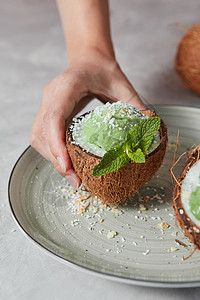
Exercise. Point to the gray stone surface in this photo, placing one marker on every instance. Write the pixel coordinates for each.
(32, 52)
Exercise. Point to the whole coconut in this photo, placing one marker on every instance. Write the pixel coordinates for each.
(187, 62)
(118, 186)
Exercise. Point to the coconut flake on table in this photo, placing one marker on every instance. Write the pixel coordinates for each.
(111, 234)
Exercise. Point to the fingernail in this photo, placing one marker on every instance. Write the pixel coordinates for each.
(61, 163)
(70, 177)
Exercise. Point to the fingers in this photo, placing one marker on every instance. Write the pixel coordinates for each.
(53, 148)
(48, 133)
(57, 146)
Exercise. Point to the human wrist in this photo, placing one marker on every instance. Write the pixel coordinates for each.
(86, 26)
(91, 53)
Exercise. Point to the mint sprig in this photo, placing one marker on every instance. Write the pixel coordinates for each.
(134, 147)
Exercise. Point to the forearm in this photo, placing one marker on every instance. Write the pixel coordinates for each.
(86, 26)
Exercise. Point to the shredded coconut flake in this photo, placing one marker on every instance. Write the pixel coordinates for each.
(111, 234)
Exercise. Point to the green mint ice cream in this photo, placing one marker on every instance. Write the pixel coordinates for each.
(194, 203)
(106, 127)
(190, 193)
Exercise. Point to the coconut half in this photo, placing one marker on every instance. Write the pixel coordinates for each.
(118, 186)
(187, 210)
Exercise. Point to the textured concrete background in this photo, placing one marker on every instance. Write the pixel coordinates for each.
(32, 52)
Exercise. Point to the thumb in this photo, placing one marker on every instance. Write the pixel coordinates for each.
(122, 89)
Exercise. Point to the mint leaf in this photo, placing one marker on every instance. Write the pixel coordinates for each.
(137, 156)
(136, 143)
(141, 135)
(112, 160)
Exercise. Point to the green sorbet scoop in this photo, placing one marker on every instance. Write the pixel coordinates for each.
(108, 127)
(194, 203)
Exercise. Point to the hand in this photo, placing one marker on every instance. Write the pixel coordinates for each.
(91, 75)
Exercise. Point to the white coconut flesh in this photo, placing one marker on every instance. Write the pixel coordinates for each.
(107, 119)
(190, 194)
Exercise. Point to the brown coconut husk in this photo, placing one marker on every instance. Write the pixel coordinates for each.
(192, 231)
(187, 62)
(118, 186)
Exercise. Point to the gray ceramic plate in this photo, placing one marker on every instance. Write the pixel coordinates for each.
(142, 251)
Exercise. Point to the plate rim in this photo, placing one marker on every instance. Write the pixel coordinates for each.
(114, 277)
